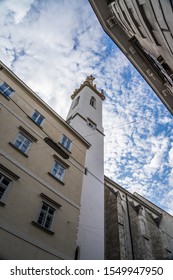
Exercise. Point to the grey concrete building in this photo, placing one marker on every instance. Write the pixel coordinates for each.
(143, 30)
(135, 228)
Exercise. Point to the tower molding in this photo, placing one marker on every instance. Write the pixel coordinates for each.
(89, 83)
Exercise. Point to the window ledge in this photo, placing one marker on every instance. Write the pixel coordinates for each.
(64, 164)
(50, 200)
(12, 145)
(5, 96)
(2, 203)
(93, 106)
(56, 147)
(64, 148)
(35, 122)
(59, 181)
(27, 134)
(43, 228)
(9, 172)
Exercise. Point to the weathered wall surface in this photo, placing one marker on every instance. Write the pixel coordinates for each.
(134, 227)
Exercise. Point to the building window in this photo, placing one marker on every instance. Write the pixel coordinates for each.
(22, 143)
(76, 101)
(58, 171)
(4, 184)
(66, 142)
(37, 118)
(93, 102)
(5, 89)
(46, 215)
(91, 124)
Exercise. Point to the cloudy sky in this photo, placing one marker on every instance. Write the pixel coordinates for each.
(52, 45)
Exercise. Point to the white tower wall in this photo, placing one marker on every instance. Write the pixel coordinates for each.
(91, 221)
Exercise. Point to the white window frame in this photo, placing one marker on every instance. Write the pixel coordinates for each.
(66, 142)
(37, 118)
(22, 142)
(45, 215)
(58, 171)
(3, 186)
(7, 91)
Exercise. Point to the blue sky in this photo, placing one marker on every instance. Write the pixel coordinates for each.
(52, 46)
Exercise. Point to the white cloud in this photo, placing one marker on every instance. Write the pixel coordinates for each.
(171, 178)
(158, 148)
(16, 9)
(171, 157)
(168, 200)
(42, 51)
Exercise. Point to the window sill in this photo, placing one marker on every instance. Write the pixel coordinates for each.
(8, 98)
(35, 123)
(56, 147)
(59, 181)
(64, 148)
(45, 197)
(2, 203)
(9, 172)
(12, 145)
(42, 228)
(93, 106)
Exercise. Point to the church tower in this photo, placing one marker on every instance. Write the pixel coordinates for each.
(85, 116)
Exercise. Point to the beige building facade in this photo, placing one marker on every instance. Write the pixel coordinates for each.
(143, 30)
(135, 228)
(42, 164)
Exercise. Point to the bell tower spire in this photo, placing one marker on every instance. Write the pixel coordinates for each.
(85, 116)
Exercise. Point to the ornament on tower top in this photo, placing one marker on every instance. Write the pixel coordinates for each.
(89, 82)
(90, 79)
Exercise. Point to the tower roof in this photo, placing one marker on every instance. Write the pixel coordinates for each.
(89, 83)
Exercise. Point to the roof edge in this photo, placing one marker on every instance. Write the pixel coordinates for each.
(34, 95)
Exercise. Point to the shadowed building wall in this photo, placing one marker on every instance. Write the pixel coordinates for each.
(143, 30)
(134, 227)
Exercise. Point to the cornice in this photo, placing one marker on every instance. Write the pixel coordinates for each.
(89, 83)
(42, 103)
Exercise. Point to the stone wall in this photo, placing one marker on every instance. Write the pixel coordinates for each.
(134, 227)
(112, 240)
